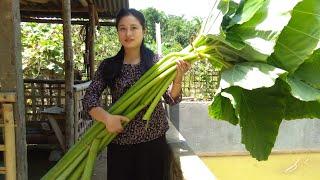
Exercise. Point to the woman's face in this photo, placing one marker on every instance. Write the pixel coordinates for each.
(130, 32)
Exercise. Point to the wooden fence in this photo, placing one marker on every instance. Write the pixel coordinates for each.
(200, 83)
(7, 125)
(42, 94)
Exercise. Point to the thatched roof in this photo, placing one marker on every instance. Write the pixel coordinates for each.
(106, 9)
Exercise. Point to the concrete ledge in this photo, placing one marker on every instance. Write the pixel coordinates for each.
(191, 165)
(209, 137)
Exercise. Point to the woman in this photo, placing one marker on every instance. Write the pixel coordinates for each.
(137, 152)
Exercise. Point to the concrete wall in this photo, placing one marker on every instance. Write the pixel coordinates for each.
(205, 135)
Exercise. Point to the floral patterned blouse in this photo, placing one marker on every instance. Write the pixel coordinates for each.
(136, 131)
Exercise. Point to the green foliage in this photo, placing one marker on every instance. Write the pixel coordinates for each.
(42, 49)
(309, 70)
(259, 121)
(280, 78)
(106, 42)
(176, 31)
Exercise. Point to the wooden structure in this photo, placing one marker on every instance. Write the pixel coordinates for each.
(66, 12)
(7, 124)
(43, 94)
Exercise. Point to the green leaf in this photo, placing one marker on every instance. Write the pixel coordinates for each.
(259, 121)
(302, 91)
(299, 38)
(246, 10)
(250, 75)
(309, 71)
(222, 109)
(263, 29)
(296, 109)
(233, 6)
(223, 6)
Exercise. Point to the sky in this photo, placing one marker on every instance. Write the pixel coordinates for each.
(187, 8)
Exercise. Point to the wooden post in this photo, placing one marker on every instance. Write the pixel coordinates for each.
(69, 74)
(86, 54)
(91, 38)
(9, 141)
(11, 75)
(92, 31)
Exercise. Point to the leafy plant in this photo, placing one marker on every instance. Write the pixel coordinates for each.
(274, 48)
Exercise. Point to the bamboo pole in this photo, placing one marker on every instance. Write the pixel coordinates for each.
(10, 148)
(69, 74)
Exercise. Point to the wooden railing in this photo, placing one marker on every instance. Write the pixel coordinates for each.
(41, 94)
(82, 119)
(7, 126)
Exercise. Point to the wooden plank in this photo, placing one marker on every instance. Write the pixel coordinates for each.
(7, 97)
(50, 94)
(3, 170)
(11, 75)
(69, 74)
(2, 125)
(2, 147)
(80, 87)
(33, 101)
(9, 140)
(41, 95)
(57, 132)
(76, 115)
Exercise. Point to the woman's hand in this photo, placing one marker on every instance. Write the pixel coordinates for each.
(113, 122)
(182, 68)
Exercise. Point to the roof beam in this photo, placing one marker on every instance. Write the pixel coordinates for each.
(59, 21)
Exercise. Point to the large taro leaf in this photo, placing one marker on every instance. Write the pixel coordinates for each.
(260, 112)
(297, 109)
(212, 26)
(261, 32)
(302, 91)
(299, 38)
(309, 71)
(246, 10)
(222, 109)
(232, 9)
(250, 75)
